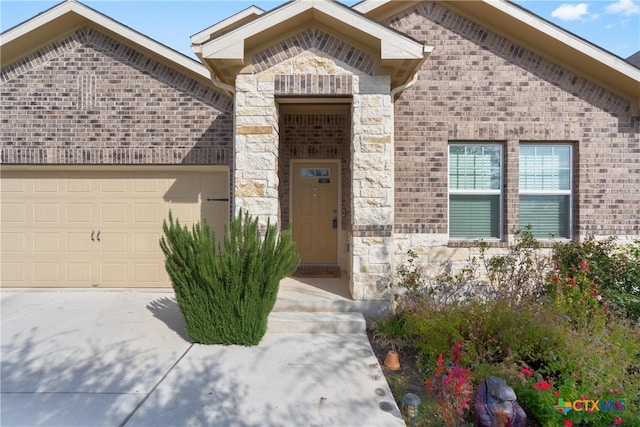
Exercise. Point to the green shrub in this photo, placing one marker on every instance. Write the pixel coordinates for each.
(614, 268)
(226, 294)
(519, 275)
(556, 328)
(590, 363)
(390, 331)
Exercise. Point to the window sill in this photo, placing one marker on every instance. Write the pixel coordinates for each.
(492, 243)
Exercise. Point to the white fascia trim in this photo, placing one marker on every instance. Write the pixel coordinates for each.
(393, 45)
(567, 38)
(204, 35)
(534, 21)
(109, 24)
(37, 21)
(367, 6)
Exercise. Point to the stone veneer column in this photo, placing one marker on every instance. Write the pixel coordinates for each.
(256, 148)
(372, 187)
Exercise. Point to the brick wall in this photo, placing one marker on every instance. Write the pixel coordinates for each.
(313, 40)
(477, 85)
(88, 99)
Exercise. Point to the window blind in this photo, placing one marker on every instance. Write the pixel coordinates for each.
(547, 215)
(474, 216)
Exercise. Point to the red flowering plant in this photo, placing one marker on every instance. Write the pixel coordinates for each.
(538, 396)
(451, 385)
(557, 401)
(576, 294)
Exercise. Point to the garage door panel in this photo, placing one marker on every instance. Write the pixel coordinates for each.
(45, 186)
(13, 185)
(183, 212)
(113, 274)
(146, 185)
(113, 242)
(46, 212)
(78, 242)
(113, 185)
(46, 242)
(78, 186)
(49, 218)
(79, 213)
(113, 212)
(79, 274)
(146, 242)
(13, 212)
(13, 272)
(12, 242)
(148, 273)
(46, 272)
(146, 213)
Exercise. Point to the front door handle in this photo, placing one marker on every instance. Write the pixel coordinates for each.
(93, 232)
(334, 222)
(98, 236)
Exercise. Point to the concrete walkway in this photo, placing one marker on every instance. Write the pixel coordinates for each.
(120, 357)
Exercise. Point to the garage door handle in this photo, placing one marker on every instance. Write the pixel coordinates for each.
(93, 232)
(98, 236)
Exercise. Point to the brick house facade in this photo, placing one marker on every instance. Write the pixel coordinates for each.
(390, 105)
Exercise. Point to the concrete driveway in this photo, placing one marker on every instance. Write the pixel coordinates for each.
(120, 357)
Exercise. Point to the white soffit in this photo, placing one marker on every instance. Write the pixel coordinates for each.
(392, 45)
(509, 19)
(566, 38)
(228, 24)
(71, 15)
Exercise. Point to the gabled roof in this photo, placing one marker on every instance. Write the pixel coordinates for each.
(541, 36)
(229, 50)
(228, 24)
(634, 59)
(69, 16)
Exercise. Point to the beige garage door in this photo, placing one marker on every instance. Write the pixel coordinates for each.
(99, 228)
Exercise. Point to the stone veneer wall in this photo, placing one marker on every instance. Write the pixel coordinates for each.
(479, 86)
(88, 99)
(306, 65)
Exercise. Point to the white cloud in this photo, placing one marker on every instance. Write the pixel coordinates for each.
(624, 7)
(572, 12)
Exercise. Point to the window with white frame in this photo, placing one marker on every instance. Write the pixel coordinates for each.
(475, 191)
(546, 189)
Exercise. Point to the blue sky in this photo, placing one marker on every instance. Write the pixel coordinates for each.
(611, 24)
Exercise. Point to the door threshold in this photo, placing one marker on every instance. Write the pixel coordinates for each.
(318, 270)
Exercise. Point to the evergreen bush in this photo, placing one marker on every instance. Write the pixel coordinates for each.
(226, 293)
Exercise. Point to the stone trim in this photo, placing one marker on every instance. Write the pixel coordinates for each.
(313, 39)
(254, 130)
(312, 84)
